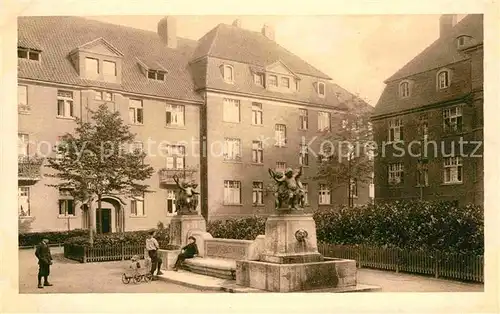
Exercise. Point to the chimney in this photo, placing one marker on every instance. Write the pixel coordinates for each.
(268, 31)
(167, 31)
(237, 23)
(446, 23)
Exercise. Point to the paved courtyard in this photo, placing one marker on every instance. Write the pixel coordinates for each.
(73, 277)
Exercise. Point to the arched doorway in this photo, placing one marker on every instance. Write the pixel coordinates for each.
(110, 217)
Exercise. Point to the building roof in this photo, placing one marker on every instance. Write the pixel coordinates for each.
(240, 45)
(57, 36)
(443, 51)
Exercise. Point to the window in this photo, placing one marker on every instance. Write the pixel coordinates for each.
(171, 204)
(257, 193)
(176, 156)
(109, 68)
(323, 121)
(228, 73)
(395, 173)
(281, 166)
(443, 79)
(232, 192)
(303, 119)
(257, 152)
(326, 152)
(453, 170)
(452, 119)
(135, 111)
(91, 67)
(175, 115)
(423, 177)
(156, 75)
(321, 89)
(258, 79)
(232, 149)
(324, 195)
(66, 203)
(272, 80)
(353, 187)
(30, 54)
(23, 201)
(137, 206)
(423, 126)
(106, 96)
(285, 82)
(65, 104)
(256, 113)
(136, 147)
(22, 97)
(404, 89)
(22, 145)
(462, 41)
(305, 186)
(304, 155)
(280, 134)
(231, 110)
(395, 130)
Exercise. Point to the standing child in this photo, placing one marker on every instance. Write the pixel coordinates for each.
(189, 251)
(42, 252)
(152, 247)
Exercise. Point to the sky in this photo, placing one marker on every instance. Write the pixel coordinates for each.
(357, 51)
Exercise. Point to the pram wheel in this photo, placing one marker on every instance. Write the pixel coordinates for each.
(136, 278)
(125, 279)
(148, 277)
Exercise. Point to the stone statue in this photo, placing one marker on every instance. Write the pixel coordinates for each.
(187, 198)
(290, 192)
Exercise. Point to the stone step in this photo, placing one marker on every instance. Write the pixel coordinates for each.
(214, 267)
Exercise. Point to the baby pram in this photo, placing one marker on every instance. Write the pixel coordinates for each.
(137, 270)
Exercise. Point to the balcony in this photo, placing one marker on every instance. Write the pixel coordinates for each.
(29, 168)
(167, 175)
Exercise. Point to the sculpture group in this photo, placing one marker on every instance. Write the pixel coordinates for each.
(290, 192)
(187, 197)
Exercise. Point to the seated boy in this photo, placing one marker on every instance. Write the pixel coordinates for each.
(189, 251)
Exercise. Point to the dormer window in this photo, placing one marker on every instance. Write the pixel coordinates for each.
(443, 79)
(228, 73)
(463, 40)
(92, 67)
(404, 89)
(273, 80)
(258, 79)
(285, 82)
(321, 89)
(156, 75)
(109, 68)
(30, 54)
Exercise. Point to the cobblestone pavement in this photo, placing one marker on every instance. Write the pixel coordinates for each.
(73, 277)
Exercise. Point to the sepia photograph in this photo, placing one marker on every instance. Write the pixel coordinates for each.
(153, 162)
(326, 154)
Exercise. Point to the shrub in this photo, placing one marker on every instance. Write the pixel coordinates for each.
(130, 237)
(34, 238)
(247, 228)
(431, 226)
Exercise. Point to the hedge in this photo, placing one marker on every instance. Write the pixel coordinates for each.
(34, 238)
(417, 225)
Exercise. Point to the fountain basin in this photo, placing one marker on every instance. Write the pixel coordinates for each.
(329, 273)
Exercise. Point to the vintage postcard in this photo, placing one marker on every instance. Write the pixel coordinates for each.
(338, 155)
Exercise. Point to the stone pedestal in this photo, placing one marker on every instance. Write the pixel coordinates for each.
(180, 225)
(168, 258)
(291, 261)
(291, 238)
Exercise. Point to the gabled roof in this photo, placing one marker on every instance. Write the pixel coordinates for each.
(241, 45)
(444, 50)
(57, 36)
(96, 42)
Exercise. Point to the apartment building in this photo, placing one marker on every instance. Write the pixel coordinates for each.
(229, 106)
(435, 102)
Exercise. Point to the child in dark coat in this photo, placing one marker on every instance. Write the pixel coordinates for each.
(189, 251)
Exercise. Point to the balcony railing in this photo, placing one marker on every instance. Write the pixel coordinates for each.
(167, 175)
(29, 168)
